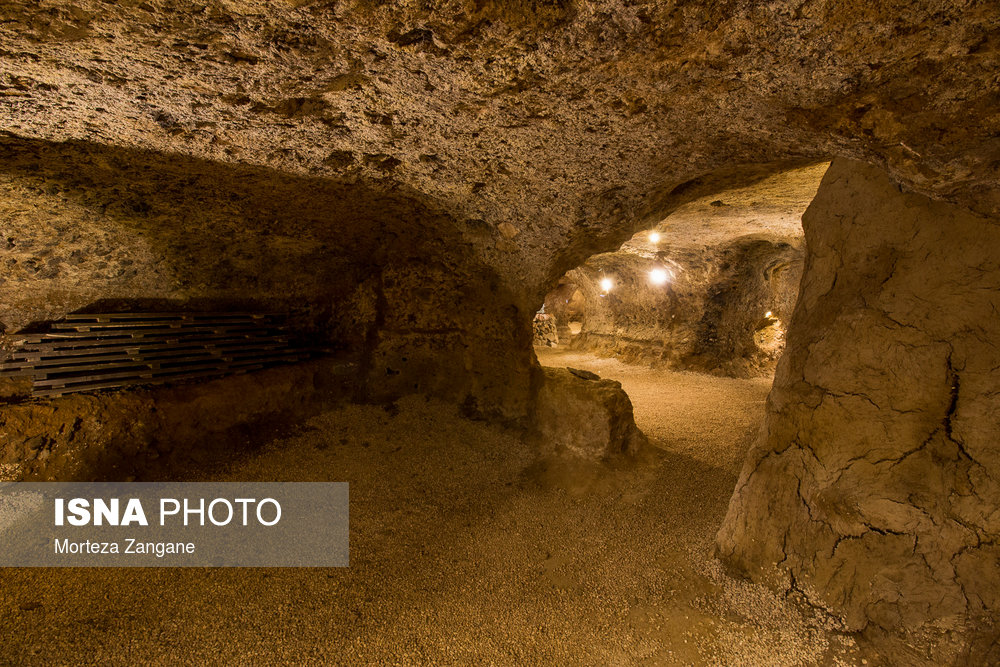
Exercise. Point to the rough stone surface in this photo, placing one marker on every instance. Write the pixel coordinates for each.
(875, 490)
(584, 417)
(545, 331)
(771, 207)
(575, 123)
(367, 269)
(412, 178)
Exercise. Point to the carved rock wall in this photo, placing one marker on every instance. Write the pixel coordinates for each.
(557, 128)
(875, 491)
(412, 178)
(307, 153)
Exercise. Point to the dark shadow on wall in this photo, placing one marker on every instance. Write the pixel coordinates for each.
(361, 265)
(137, 224)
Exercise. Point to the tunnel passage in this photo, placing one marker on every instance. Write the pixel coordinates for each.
(368, 269)
(711, 287)
(871, 492)
(718, 309)
(378, 273)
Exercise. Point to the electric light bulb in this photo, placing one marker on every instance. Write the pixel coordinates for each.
(607, 284)
(658, 277)
(767, 314)
(654, 237)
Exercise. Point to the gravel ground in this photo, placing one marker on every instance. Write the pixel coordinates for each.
(465, 549)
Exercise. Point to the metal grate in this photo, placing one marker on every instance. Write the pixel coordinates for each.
(85, 352)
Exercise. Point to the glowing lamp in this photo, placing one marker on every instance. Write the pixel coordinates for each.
(654, 237)
(607, 284)
(768, 314)
(658, 277)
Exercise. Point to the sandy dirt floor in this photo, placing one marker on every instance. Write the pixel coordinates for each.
(465, 549)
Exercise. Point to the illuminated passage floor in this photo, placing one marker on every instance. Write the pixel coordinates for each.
(464, 550)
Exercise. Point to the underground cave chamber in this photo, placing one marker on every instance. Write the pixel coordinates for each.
(724, 287)
(643, 332)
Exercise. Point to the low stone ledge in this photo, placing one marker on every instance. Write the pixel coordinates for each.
(147, 432)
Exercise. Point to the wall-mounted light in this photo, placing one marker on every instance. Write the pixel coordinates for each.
(659, 276)
(768, 314)
(607, 284)
(654, 237)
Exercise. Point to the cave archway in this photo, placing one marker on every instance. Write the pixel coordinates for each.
(710, 287)
(857, 270)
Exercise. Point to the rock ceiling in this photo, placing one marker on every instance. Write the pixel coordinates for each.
(771, 207)
(557, 127)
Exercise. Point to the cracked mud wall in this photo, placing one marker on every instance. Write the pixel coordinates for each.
(875, 489)
(711, 316)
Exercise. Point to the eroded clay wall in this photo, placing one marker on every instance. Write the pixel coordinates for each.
(874, 492)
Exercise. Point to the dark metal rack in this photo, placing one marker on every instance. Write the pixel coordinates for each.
(86, 352)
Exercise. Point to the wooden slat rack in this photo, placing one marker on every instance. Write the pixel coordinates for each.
(87, 352)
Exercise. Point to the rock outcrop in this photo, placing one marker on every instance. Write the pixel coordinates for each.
(580, 415)
(875, 492)
(545, 331)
